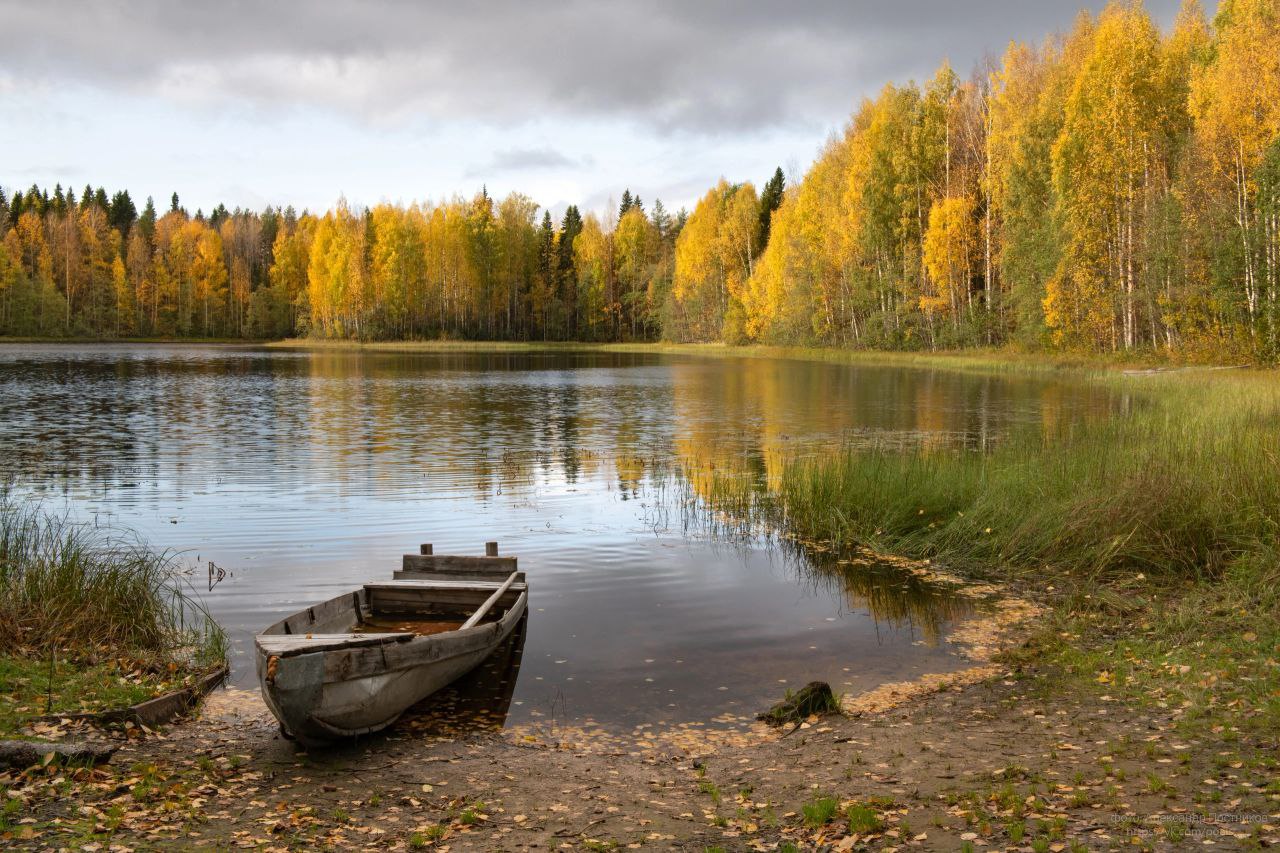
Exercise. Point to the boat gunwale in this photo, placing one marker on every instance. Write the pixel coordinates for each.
(417, 643)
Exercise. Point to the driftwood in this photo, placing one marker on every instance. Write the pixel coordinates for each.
(814, 698)
(153, 712)
(21, 754)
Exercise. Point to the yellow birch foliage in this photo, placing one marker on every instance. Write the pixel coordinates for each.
(950, 247)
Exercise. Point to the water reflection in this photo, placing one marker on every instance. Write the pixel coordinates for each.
(305, 474)
(479, 701)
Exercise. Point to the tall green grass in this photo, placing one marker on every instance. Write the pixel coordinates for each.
(66, 586)
(1186, 484)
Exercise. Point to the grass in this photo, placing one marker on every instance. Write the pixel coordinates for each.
(90, 619)
(986, 360)
(76, 686)
(1154, 532)
(820, 811)
(863, 818)
(1181, 487)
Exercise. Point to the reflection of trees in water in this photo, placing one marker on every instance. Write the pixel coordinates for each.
(886, 588)
(483, 423)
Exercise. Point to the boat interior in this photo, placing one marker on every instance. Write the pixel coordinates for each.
(430, 595)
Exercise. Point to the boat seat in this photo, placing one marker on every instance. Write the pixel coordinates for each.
(483, 586)
(284, 645)
(400, 597)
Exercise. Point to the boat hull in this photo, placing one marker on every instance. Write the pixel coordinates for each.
(326, 696)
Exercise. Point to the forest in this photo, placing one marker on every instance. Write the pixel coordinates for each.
(1114, 188)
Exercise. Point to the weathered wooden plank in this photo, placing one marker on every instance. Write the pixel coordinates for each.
(447, 563)
(286, 645)
(414, 574)
(359, 663)
(441, 583)
(489, 602)
(389, 599)
(333, 616)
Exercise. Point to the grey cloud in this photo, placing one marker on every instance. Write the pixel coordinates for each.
(523, 159)
(669, 65)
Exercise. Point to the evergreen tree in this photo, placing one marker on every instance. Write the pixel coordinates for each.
(147, 222)
(682, 217)
(627, 203)
(122, 214)
(570, 228)
(661, 219)
(174, 207)
(770, 200)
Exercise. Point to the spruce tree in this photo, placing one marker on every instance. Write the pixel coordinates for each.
(661, 219)
(570, 228)
(121, 213)
(147, 221)
(770, 200)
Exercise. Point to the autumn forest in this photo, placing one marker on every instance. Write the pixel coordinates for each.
(1114, 188)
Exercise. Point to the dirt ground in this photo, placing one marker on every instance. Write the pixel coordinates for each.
(1008, 763)
(1003, 756)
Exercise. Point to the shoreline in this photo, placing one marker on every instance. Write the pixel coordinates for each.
(978, 359)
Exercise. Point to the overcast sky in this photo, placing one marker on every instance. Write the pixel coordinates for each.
(288, 102)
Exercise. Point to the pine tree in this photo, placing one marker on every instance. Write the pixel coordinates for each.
(626, 204)
(174, 207)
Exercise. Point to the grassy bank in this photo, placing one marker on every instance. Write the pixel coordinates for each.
(1155, 533)
(90, 619)
(989, 360)
(19, 339)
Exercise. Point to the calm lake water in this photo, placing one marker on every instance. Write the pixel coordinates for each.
(304, 474)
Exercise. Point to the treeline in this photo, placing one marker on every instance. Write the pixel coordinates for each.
(1114, 188)
(475, 268)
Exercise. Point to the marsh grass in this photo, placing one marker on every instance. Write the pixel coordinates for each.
(70, 589)
(1184, 485)
(1154, 533)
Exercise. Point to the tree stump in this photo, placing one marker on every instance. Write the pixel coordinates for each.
(814, 698)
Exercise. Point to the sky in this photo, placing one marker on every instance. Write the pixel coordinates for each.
(288, 102)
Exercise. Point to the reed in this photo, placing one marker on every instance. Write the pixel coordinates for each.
(71, 588)
(1183, 485)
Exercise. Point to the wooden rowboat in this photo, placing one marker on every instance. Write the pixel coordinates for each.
(353, 664)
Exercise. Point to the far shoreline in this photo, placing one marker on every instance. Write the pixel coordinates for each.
(1007, 359)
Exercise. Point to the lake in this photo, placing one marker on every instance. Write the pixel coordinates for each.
(303, 474)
